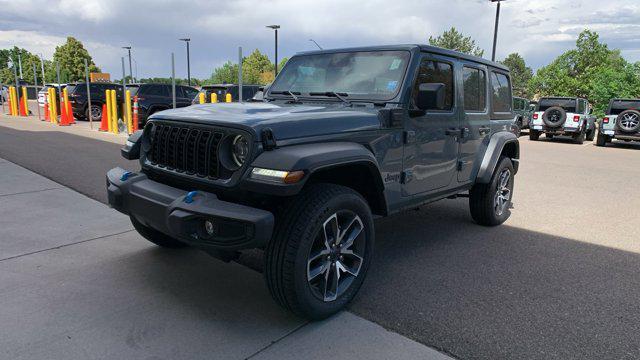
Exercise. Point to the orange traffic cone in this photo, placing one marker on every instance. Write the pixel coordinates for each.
(70, 117)
(46, 112)
(104, 122)
(23, 111)
(64, 119)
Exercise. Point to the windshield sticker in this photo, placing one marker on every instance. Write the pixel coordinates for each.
(391, 85)
(395, 64)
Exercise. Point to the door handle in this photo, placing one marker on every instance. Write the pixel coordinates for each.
(484, 130)
(453, 132)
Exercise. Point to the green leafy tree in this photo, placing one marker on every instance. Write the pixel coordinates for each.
(454, 40)
(70, 57)
(227, 73)
(256, 69)
(521, 74)
(592, 71)
(10, 57)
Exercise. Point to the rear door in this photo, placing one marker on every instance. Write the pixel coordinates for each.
(431, 147)
(475, 118)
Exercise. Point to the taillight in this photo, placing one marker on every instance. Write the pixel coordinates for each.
(605, 120)
(535, 116)
(576, 118)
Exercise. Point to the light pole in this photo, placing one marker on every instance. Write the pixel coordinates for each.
(130, 71)
(495, 30)
(188, 61)
(313, 41)
(275, 28)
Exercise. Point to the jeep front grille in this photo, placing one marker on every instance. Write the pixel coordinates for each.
(186, 149)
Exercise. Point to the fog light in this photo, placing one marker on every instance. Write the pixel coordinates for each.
(210, 227)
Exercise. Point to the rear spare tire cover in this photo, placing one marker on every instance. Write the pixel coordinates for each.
(629, 121)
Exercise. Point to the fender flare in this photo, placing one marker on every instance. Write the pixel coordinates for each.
(312, 158)
(492, 154)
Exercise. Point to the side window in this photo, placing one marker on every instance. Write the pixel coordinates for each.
(581, 106)
(156, 90)
(501, 93)
(436, 72)
(475, 89)
(190, 92)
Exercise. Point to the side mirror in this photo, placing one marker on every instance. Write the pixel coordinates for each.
(430, 96)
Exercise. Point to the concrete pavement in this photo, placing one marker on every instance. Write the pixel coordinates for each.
(76, 282)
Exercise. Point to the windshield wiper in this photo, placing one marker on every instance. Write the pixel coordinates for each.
(294, 95)
(340, 96)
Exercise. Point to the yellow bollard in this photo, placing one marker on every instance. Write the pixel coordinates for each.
(49, 106)
(214, 98)
(54, 106)
(127, 106)
(228, 98)
(25, 102)
(201, 96)
(14, 98)
(11, 100)
(107, 97)
(114, 109)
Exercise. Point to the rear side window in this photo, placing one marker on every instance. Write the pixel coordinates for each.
(155, 90)
(582, 105)
(475, 89)
(189, 92)
(436, 72)
(501, 93)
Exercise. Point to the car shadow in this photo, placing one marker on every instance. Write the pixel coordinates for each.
(502, 292)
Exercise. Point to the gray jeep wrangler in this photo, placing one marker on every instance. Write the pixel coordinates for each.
(563, 116)
(342, 136)
(621, 121)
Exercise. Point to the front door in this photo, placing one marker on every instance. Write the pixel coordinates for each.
(431, 138)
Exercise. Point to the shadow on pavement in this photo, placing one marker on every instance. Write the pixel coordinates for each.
(504, 292)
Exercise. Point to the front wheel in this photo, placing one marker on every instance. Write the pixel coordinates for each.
(579, 137)
(490, 203)
(319, 255)
(94, 113)
(591, 135)
(534, 135)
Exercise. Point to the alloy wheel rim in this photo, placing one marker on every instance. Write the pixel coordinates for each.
(336, 256)
(629, 121)
(96, 112)
(503, 193)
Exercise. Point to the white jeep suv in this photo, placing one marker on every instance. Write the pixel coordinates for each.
(563, 116)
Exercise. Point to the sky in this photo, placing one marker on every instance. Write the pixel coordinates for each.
(539, 30)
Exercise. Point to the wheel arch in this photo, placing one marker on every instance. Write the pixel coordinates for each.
(502, 143)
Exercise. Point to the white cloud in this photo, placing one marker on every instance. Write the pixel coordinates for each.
(540, 30)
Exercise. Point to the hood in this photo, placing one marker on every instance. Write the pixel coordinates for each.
(286, 121)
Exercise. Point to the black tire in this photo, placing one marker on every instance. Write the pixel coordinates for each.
(97, 110)
(601, 140)
(534, 135)
(579, 137)
(554, 116)
(591, 134)
(156, 236)
(548, 136)
(288, 256)
(486, 209)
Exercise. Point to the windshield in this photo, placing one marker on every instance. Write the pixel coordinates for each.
(371, 75)
(567, 104)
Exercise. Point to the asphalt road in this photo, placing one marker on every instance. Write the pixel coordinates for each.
(559, 280)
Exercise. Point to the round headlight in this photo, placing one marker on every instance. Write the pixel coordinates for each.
(239, 149)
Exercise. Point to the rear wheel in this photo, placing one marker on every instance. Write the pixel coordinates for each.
(534, 135)
(94, 113)
(591, 134)
(548, 136)
(318, 258)
(490, 203)
(602, 139)
(155, 236)
(579, 137)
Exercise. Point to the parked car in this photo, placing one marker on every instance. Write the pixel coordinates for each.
(78, 99)
(157, 97)
(343, 136)
(563, 116)
(523, 110)
(42, 93)
(221, 91)
(622, 121)
(4, 93)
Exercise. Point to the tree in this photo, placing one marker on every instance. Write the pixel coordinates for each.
(227, 73)
(256, 69)
(70, 57)
(454, 40)
(592, 71)
(520, 74)
(28, 60)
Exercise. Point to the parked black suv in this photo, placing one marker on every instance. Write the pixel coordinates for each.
(157, 97)
(77, 93)
(221, 91)
(622, 122)
(342, 136)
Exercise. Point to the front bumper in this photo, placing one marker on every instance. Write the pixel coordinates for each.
(182, 215)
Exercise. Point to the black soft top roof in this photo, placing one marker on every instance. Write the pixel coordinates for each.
(409, 47)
